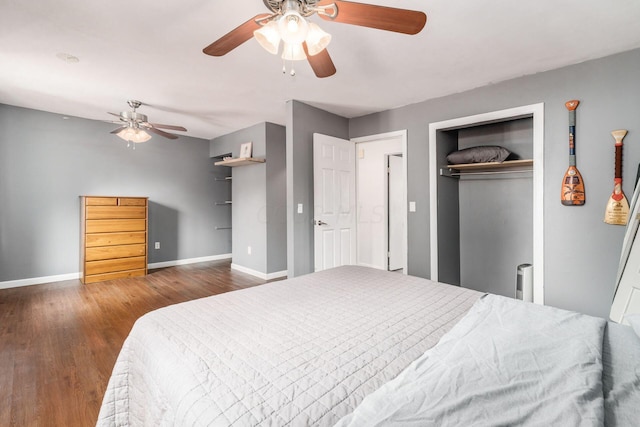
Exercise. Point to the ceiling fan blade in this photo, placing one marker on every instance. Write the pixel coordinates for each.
(158, 125)
(118, 130)
(161, 133)
(234, 38)
(114, 114)
(380, 17)
(321, 62)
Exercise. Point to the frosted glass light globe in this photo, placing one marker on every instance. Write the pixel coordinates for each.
(293, 27)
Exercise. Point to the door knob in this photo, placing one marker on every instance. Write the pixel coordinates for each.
(320, 222)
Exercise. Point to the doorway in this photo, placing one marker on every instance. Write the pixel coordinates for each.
(381, 201)
(357, 220)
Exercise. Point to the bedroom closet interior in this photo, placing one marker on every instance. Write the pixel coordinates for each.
(485, 215)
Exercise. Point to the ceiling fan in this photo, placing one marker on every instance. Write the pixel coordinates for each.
(135, 125)
(305, 40)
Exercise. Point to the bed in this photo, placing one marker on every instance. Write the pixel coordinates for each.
(354, 346)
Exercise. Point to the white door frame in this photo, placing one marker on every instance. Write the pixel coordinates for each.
(402, 134)
(537, 112)
(397, 205)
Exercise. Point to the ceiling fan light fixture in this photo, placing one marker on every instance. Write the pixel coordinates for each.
(293, 52)
(317, 39)
(131, 134)
(269, 37)
(293, 27)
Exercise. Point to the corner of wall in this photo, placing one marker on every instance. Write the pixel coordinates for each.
(302, 122)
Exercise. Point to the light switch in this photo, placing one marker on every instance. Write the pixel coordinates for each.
(412, 206)
(361, 153)
(299, 208)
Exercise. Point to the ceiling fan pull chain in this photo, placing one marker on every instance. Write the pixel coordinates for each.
(284, 68)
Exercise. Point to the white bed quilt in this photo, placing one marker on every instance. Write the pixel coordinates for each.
(506, 363)
(301, 352)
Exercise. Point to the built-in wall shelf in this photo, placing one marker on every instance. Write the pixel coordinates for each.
(508, 166)
(241, 161)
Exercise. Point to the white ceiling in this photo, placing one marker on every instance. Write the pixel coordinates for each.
(152, 51)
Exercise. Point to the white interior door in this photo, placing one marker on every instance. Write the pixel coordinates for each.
(396, 213)
(334, 202)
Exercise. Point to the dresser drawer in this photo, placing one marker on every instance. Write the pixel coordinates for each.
(116, 212)
(110, 252)
(101, 201)
(111, 239)
(113, 265)
(131, 201)
(115, 225)
(117, 275)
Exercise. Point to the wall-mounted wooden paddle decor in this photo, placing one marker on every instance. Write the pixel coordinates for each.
(617, 211)
(572, 193)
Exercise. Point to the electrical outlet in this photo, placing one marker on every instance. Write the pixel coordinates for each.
(249, 250)
(157, 245)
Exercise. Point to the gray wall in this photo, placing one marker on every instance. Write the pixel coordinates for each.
(258, 196)
(46, 162)
(448, 216)
(276, 190)
(581, 252)
(496, 211)
(302, 122)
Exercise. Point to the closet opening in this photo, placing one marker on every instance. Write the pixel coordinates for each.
(486, 218)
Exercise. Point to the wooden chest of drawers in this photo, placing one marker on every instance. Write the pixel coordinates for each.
(113, 237)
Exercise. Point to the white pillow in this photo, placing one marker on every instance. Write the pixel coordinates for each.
(634, 321)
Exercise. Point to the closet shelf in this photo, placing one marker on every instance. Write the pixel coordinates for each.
(241, 161)
(226, 202)
(508, 166)
(493, 165)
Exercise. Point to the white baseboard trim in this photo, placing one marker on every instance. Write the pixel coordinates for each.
(39, 280)
(73, 276)
(263, 276)
(189, 261)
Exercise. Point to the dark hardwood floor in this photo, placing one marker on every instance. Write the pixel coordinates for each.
(59, 341)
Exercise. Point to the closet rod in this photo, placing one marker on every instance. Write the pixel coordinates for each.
(223, 228)
(459, 174)
(226, 178)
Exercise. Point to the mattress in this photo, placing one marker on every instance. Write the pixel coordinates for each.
(358, 346)
(305, 351)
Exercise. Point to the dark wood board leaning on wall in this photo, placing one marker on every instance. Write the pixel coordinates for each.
(572, 192)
